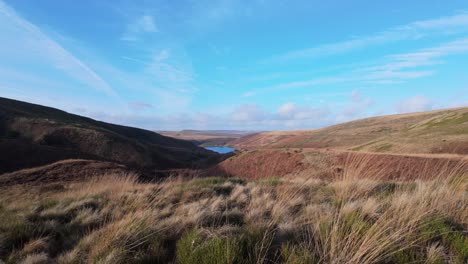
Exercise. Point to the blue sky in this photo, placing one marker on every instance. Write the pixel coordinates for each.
(235, 64)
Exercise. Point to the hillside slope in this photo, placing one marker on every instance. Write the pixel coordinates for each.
(207, 137)
(34, 135)
(441, 131)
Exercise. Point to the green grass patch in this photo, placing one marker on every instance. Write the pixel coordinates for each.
(361, 147)
(450, 234)
(213, 181)
(272, 181)
(449, 121)
(383, 147)
(250, 246)
(15, 231)
(297, 254)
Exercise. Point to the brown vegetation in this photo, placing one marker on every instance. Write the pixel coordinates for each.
(351, 219)
(207, 138)
(33, 135)
(258, 164)
(61, 171)
(264, 163)
(441, 131)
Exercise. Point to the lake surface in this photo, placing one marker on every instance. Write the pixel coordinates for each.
(221, 149)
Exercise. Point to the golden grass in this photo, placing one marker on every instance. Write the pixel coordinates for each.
(356, 218)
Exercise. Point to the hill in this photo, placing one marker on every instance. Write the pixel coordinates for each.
(440, 131)
(34, 135)
(207, 137)
(62, 171)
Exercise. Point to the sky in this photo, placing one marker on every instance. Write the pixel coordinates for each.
(235, 64)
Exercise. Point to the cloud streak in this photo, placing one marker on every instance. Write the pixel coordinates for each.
(415, 30)
(397, 68)
(38, 48)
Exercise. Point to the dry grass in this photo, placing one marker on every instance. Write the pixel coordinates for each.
(357, 218)
(439, 131)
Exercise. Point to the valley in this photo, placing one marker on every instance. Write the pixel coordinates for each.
(388, 189)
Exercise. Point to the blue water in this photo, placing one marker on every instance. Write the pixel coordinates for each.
(221, 150)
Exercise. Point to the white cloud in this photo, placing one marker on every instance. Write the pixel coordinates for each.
(22, 41)
(415, 104)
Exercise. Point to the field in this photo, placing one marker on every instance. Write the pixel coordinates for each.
(356, 217)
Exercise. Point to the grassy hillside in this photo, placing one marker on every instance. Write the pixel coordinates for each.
(33, 135)
(357, 218)
(441, 131)
(207, 138)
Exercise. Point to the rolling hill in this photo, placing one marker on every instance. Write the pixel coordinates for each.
(33, 135)
(207, 137)
(440, 131)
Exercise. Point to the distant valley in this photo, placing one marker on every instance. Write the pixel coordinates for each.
(208, 137)
(33, 135)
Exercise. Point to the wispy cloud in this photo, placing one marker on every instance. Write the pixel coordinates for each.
(397, 68)
(37, 48)
(136, 29)
(445, 25)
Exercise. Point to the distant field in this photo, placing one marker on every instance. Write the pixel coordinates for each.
(441, 131)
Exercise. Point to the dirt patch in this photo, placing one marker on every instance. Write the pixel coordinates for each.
(62, 171)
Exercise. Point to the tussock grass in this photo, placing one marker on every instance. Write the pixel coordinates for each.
(354, 218)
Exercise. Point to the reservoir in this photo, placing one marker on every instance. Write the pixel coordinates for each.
(220, 149)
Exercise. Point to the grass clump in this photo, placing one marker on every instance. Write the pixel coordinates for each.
(250, 246)
(354, 219)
